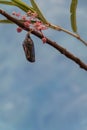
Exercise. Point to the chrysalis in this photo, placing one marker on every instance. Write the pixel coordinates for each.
(28, 47)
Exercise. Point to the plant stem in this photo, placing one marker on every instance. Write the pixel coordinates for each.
(58, 28)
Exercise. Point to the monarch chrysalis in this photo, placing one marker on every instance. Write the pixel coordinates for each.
(28, 47)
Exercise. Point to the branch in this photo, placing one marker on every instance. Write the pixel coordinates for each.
(50, 42)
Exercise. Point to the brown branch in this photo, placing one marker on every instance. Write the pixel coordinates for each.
(50, 42)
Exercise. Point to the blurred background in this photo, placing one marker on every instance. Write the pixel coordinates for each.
(50, 94)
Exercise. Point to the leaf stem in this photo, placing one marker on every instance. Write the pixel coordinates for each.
(58, 28)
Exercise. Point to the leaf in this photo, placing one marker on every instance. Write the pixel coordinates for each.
(6, 2)
(22, 5)
(17, 3)
(35, 6)
(73, 7)
(5, 21)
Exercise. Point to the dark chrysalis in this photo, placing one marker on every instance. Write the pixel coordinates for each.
(28, 47)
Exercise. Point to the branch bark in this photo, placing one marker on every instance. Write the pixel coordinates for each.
(48, 41)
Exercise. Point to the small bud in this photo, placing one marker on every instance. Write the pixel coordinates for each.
(27, 24)
(44, 39)
(13, 13)
(18, 14)
(19, 29)
(24, 17)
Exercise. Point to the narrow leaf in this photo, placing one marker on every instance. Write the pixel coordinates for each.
(35, 6)
(73, 7)
(23, 5)
(16, 3)
(6, 2)
(5, 21)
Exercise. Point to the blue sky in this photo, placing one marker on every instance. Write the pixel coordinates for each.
(50, 94)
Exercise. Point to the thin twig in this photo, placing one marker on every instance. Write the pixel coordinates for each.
(59, 28)
(50, 42)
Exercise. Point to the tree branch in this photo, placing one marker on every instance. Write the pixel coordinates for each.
(50, 42)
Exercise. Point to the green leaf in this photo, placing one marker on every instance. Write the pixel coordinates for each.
(41, 16)
(5, 21)
(73, 7)
(17, 3)
(23, 5)
(6, 2)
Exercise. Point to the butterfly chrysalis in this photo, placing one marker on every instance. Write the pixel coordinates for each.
(28, 47)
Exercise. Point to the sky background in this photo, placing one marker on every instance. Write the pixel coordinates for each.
(50, 94)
